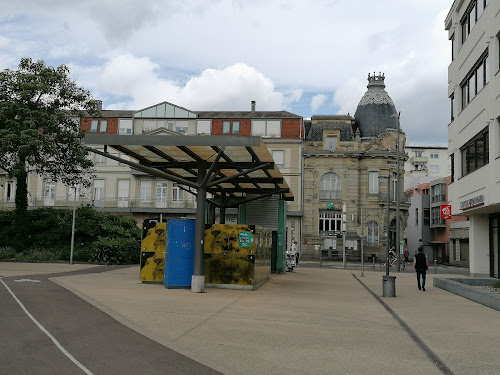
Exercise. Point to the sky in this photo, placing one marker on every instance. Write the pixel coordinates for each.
(306, 57)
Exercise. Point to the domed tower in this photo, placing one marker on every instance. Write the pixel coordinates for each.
(376, 110)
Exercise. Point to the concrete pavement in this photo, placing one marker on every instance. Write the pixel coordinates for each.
(311, 321)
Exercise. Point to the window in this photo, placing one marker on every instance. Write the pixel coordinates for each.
(394, 186)
(452, 39)
(427, 216)
(161, 193)
(181, 127)
(452, 160)
(372, 237)
(124, 126)
(436, 216)
(475, 80)
(231, 127)
(93, 126)
(452, 104)
(266, 128)
(100, 159)
(418, 153)
(49, 193)
(10, 191)
(123, 193)
(475, 153)
(434, 168)
(373, 182)
(278, 157)
(434, 156)
(329, 223)
(416, 217)
(330, 186)
(145, 191)
(438, 193)
(98, 190)
(331, 142)
(203, 127)
(469, 20)
(177, 192)
(104, 126)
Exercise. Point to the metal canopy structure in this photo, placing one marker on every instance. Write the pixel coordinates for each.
(226, 167)
(236, 166)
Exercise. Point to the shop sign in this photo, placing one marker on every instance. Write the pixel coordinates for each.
(445, 211)
(472, 202)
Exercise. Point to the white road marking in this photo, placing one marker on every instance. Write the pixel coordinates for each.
(27, 281)
(59, 346)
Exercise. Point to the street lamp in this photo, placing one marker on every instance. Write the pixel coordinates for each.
(388, 222)
(397, 115)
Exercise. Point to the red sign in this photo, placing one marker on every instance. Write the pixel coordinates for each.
(445, 211)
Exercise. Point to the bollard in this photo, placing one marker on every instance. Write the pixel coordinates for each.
(320, 261)
(373, 260)
(389, 286)
(435, 266)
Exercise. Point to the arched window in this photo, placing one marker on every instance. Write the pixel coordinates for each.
(372, 238)
(330, 187)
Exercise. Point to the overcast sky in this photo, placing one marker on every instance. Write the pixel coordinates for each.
(307, 57)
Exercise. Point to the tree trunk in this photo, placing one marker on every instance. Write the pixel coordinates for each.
(20, 214)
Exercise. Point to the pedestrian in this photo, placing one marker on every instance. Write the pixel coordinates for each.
(420, 266)
(295, 249)
(406, 256)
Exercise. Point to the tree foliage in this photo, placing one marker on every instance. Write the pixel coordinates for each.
(39, 129)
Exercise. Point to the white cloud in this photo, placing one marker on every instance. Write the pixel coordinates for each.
(317, 101)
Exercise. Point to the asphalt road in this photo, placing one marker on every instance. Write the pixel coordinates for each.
(59, 333)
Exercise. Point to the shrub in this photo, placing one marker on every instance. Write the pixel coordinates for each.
(496, 284)
(115, 251)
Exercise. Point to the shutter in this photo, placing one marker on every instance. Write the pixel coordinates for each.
(264, 212)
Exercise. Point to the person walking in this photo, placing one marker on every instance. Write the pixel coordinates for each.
(406, 256)
(420, 266)
(295, 249)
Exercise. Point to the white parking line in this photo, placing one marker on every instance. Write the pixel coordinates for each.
(61, 348)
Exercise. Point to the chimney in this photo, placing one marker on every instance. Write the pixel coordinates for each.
(253, 105)
(99, 105)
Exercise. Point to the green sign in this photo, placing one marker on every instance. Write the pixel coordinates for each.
(329, 206)
(245, 239)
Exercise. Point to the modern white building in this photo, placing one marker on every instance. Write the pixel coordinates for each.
(474, 130)
(431, 161)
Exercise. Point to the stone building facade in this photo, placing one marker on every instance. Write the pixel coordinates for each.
(349, 168)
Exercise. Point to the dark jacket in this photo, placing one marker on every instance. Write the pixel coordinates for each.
(420, 262)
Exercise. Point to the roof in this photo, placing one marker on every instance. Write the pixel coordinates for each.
(238, 166)
(316, 131)
(246, 114)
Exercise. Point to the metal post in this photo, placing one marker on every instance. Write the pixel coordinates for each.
(343, 251)
(198, 278)
(362, 253)
(344, 230)
(388, 223)
(397, 200)
(435, 266)
(73, 229)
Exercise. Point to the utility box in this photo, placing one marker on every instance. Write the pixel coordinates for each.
(179, 253)
(237, 256)
(153, 254)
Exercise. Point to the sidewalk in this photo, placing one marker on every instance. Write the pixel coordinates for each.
(311, 321)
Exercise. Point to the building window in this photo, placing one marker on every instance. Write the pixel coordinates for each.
(434, 156)
(372, 237)
(10, 191)
(438, 193)
(231, 127)
(123, 193)
(331, 142)
(452, 160)
(418, 153)
(103, 126)
(475, 80)
(475, 153)
(469, 20)
(452, 105)
(452, 40)
(98, 190)
(436, 216)
(427, 216)
(124, 126)
(93, 126)
(329, 223)
(266, 128)
(278, 157)
(203, 127)
(434, 168)
(330, 186)
(181, 127)
(416, 217)
(177, 192)
(394, 186)
(145, 191)
(373, 182)
(161, 193)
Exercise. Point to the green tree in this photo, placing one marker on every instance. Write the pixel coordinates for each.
(40, 132)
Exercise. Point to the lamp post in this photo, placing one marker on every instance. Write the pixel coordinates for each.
(397, 194)
(388, 222)
(388, 282)
(73, 228)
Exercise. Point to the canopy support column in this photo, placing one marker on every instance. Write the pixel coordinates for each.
(198, 278)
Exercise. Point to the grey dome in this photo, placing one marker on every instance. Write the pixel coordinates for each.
(376, 110)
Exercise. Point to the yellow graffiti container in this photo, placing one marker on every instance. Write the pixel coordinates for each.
(153, 254)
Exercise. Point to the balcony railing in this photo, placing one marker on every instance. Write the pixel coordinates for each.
(403, 198)
(112, 202)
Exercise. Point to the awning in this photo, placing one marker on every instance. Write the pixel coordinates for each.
(233, 166)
